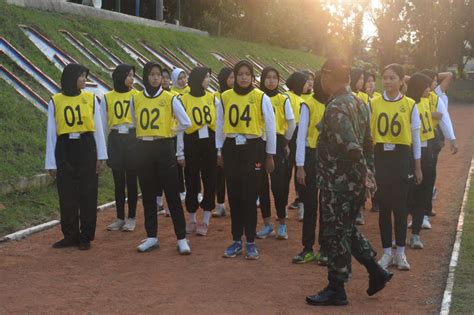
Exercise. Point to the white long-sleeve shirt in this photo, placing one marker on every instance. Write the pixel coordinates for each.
(415, 124)
(179, 113)
(52, 137)
(445, 122)
(270, 126)
(290, 119)
(302, 135)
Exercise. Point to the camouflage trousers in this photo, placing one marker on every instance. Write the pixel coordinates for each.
(339, 232)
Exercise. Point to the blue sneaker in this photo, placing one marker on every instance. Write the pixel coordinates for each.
(265, 232)
(282, 234)
(233, 250)
(252, 252)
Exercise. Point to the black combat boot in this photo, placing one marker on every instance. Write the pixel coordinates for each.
(333, 294)
(378, 276)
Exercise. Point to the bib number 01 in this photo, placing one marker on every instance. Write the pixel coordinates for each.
(427, 124)
(198, 115)
(70, 116)
(384, 124)
(148, 119)
(235, 116)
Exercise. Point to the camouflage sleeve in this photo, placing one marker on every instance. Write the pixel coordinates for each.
(340, 124)
(368, 141)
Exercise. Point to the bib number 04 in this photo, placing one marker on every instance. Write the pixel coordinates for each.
(235, 116)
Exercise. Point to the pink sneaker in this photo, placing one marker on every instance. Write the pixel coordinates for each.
(190, 227)
(202, 229)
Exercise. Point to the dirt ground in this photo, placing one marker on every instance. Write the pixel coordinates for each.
(113, 278)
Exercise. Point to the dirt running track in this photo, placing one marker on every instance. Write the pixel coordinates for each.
(114, 278)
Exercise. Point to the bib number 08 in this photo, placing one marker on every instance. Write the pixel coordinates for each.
(198, 115)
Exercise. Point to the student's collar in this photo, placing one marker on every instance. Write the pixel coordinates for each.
(399, 96)
(156, 94)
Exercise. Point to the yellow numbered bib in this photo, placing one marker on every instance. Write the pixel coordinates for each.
(243, 113)
(74, 114)
(278, 104)
(316, 112)
(433, 99)
(201, 111)
(180, 91)
(427, 129)
(296, 102)
(118, 107)
(363, 96)
(391, 120)
(154, 115)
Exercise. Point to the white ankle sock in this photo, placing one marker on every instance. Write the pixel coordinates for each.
(400, 250)
(192, 217)
(207, 216)
(388, 251)
(220, 205)
(159, 200)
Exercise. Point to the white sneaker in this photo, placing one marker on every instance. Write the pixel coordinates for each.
(219, 211)
(116, 225)
(129, 225)
(426, 223)
(200, 197)
(401, 262)
(300, 212)
(386, 261)
(148, 244)
(182, 196)
(415, 242)
(258, 202)
(183, 247)
(410, 224)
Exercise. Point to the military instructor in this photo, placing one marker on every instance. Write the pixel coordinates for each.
(345, 166)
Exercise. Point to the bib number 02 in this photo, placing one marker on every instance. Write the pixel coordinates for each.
(148, 118)
(235, 115)
(384, 125)
(70, 115)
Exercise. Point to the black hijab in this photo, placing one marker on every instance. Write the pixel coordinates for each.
(196, 77)
(296, 82)
(151, 91)
(265, 72)
(355, 76)
(237, 88)
(222, 78)
(318, 93)
(119, 75)
(69, 77)
(417, 84)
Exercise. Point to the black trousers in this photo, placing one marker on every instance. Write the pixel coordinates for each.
(157, 164)
(180, 169)
(126, 178)
(420, 196)
(122, 160)
(436, 145)
(243, 165)
(77, 183)
(292, 165)
(392, 170)
(220, 184)
(309, 197)
(201, 160)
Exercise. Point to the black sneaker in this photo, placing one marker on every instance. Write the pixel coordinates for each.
(328, 297)
(84, 245)
(65, 243)
(378, 280)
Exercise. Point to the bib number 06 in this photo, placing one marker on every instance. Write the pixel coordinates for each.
(384, 125)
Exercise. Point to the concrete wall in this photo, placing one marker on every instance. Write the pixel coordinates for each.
(25, 183)
(77, 9)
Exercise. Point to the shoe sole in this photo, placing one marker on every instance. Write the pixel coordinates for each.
(149, 249)
(252, 257)
(300, 262)
(114, 229)
(186, 253)
(330, 303)
(201, 234)
(218, 215)
(381, 287)
(232, 256)
(282, 237)
(128, 230)
(264, 236)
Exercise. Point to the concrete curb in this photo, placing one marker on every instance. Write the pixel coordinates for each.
(25, 183)
(16, 236)
(448, 292)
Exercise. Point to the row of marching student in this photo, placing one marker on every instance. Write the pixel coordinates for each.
(338, 139)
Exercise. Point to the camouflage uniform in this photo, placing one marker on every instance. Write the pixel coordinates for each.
(344, 153)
